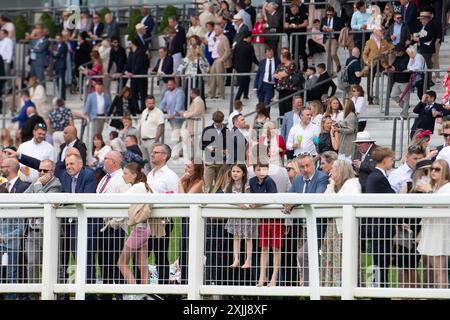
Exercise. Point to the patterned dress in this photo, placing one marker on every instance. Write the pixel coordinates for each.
(241, 227)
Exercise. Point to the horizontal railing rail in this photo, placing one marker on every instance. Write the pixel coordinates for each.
(198, 207)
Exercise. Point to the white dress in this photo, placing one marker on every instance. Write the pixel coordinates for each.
(435, 240)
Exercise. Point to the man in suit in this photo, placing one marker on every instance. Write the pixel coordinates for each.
(290, 119)
(33, 119)
(12, 229)
(243, 59)
(398, 33)
(60, 57)
(77, 179)
(222, 59)
(97, 105)
(111, 237)
(409, 14)
(46, 183)
(96, 31)
(273, 15)
(375, 56)
(329, 24)
(238, 141)
(362, 159)
(426, 38)
(137, 64)
(147, 20)
(310, 180)
(71, 140)
(117, 57)
(264, 80)
(241, 30)
(214, 140)
(39, 53)
(195, 116)
(381, 230)
(163, 67)
(323, 84)
(142, 39)
(178, 44)
(428, 110)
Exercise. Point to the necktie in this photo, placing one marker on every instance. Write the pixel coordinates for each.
(108, 177)
(306, 185)
(269, 78)
(7, 185)
(74, 184)
(329, 22)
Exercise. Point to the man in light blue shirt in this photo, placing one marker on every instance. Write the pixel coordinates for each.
(359, 22)
(173, 104)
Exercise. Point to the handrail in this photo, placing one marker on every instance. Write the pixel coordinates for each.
(197, 208)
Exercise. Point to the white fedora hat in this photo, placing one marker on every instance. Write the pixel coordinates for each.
(363, 136)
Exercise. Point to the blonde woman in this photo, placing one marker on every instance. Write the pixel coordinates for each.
(434, 245)
(317, 112)
(347, 130)
(37, 95)
(375, 19)
(342, 181)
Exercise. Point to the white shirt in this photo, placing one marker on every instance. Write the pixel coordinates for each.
(7, 49)
(360, 107)
(70, 145)
(163, 180)
(11, 183)
(215, 51)
(116, 184)
(211, 40)
(41, 151)
(317, 120)
(266, 72)
(337, 117)
(230, 118)
(306, 138)
(400, 176)
(418, 63)
(149, 125)
(100, 103)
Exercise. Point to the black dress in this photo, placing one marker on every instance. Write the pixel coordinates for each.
(325, 143)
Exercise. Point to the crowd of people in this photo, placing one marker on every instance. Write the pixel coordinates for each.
(322, 145)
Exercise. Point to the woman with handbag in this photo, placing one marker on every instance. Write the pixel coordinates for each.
(138, 215)
(287, 81)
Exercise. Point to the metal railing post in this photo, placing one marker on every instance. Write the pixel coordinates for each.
(394, 134)
(350, 243)
(425, 82)
(388, 94)
(231, 93)
(196, 252)
(49, 252)
(313, 253)
(82, 241)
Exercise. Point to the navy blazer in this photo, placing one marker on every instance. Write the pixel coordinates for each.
(78, 145)
(318, 183)
(337, 26)
(430, 38)
(19, 186)
(60, 56)
(137, 62)
(149, 23)
(410, 17)
(86, 182)
(321, 87)
(260, 73)
(99, 31)
(378, 183)
(167, 67)
(425, 120)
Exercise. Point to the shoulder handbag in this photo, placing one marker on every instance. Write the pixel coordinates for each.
(139, 212)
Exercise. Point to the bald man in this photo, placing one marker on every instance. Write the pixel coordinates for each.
(10, 168)
(71, 140)
(111, 239)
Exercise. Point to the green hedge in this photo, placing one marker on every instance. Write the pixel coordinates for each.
(21, 27)
(134, 20)
(168, 12)
(49, 24)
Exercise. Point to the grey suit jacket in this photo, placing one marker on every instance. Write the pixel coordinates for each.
(53, 186)
(288, 122)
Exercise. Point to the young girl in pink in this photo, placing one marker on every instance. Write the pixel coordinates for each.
(446, 85)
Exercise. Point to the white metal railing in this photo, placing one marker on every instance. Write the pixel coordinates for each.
(197, 207)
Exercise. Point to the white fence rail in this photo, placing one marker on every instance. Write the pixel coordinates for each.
(197, 208)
